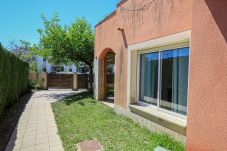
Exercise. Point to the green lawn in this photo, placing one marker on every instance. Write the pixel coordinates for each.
(82, 118)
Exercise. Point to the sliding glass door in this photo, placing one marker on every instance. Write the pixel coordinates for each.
(174, 80)
(168, 71)
(149, 78)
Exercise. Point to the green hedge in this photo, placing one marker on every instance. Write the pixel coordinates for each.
(13, 77)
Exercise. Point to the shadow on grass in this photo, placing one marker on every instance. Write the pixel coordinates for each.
(9, 119)
(78, 98)
(55, 96)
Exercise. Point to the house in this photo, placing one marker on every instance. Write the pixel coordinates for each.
(44, 65)
(170, 71)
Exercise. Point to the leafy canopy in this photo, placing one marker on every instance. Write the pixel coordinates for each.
(66, 44)
(23, 50)
(81, 39)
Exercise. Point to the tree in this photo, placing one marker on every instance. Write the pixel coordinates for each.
(66, 44)
(81, 42)
(33, 66)
(23, 50)
(53, 41)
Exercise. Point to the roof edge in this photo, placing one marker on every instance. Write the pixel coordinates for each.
(112, 13)
(121, 2)
(106, 18)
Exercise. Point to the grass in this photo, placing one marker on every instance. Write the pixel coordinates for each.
(82, 118)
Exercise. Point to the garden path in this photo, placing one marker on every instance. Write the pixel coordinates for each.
(36, 129)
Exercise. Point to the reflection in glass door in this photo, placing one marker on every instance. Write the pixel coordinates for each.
(174, 80)
(149, 78)
(164, 79)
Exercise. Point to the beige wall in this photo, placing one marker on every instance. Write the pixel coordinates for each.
(40, 77)
(33, 76)
(75, 82)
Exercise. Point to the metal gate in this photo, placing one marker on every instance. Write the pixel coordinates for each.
(60, 81)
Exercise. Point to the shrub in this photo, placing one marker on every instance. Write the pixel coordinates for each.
(13, 77)
(34, 85)
(31, 84)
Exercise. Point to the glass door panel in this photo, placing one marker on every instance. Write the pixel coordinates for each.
(149, 78)
(174, 80)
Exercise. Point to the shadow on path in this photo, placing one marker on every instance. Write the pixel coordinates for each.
(9, 119)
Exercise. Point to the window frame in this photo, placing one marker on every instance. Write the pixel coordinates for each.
(159, 49)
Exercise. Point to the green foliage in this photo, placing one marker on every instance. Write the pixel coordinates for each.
(21, 49)
(53, 41)
(81, 118)
(13, 77)
(33, 66)
(66, 44)
(81, 37)
(34, 85)
(24, 51)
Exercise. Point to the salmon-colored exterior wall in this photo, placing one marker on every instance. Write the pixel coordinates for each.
(207, 100)
(160, 19)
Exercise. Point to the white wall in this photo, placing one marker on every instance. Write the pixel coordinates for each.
(42, 64)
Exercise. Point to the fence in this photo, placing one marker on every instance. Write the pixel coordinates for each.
(73, 81)
(13, 77)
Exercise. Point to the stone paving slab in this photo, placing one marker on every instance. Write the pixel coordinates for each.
(36, 129)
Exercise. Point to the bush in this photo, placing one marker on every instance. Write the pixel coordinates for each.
(34, 85)
(13, 77)
(31, 84)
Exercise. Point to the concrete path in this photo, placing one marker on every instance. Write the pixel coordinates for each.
(36, 129)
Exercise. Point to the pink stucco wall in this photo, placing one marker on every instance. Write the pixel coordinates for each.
(207, 100)
(160, 19)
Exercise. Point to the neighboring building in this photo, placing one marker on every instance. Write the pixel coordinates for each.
(44, 65)
(170, 67)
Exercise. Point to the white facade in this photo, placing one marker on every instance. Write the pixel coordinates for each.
(44, 64)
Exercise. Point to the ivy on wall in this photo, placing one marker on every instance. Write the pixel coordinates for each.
(13, 77)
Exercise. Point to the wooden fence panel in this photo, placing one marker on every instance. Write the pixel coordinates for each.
(61, 81)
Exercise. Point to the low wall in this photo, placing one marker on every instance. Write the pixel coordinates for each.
(80, 81)
(152, 126)
(40, 78)
(33, 76)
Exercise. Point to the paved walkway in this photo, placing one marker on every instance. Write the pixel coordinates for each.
(36, 129)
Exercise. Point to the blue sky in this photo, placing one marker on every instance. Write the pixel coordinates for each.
(20, 19)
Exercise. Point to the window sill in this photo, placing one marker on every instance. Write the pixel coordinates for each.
(164, 119)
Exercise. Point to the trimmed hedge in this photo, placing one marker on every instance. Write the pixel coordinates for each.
(13, 78)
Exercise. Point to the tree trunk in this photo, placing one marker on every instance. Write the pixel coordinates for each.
(91, 77)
